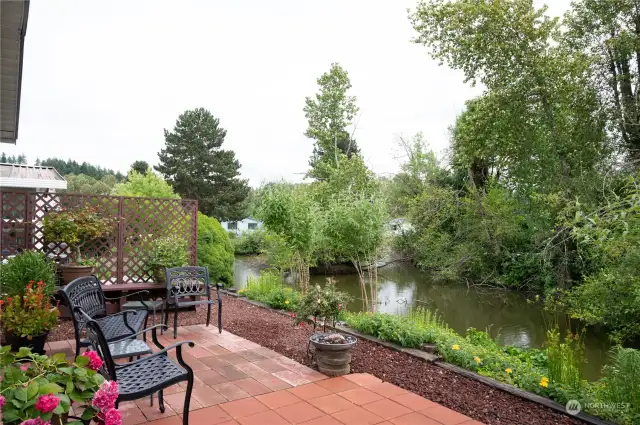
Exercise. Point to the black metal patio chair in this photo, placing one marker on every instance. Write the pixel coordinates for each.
(86, 293)
(146, 376)
(190, 282)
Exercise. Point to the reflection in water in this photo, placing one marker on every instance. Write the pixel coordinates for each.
(506, 315)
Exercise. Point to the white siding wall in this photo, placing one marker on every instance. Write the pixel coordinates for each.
(242, 225)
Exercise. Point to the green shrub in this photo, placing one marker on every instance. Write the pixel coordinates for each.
(249, 243)
(168, 251)
(215, 250)
(23, 268)
(269, 288)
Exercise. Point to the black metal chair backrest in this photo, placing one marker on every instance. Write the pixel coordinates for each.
(187, 282)
(86, 293)
(99, 344)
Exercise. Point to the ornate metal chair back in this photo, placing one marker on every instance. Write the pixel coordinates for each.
(99, 344)
(86, 293)
(187, 282)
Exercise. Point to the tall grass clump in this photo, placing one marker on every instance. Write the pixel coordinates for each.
(565, 359)
(270, 289)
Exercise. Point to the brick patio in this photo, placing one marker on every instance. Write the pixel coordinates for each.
(239, 382)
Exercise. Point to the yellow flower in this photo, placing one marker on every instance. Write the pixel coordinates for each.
(477, 359)
(544, 382)
(286, 302)
(508, 370)
(455, 347)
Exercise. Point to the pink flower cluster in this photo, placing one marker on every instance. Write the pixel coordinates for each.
(2, 401)
(95, 362)
(47, 403)
(105, 400)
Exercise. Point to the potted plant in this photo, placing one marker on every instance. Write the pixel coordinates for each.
(333, 350)
(26, 267)
(76, 228)
(39, 390)
(166, 252)
(26, 320)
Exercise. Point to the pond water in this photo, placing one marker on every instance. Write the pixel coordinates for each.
(507, 315)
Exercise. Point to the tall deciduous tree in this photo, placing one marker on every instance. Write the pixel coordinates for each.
(148, 185)
(140, 167)
(194, 163)
(330, 114)
(609, 32)
(536, 90)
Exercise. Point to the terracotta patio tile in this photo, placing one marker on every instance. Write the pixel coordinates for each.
(263, 418)
(232, 358)
(285, 361)
(132, 416)
(230, 391)
(58, 346)
(242, 408)
(213, 361)
(444, 415)
(207, 396)
(249, 344)
(251, 386)
(264, 351)
(414, 418)
(331, 403)
(173, 420)
(270, 365)
(176, 401)
(194, 328)
(413, 401)
(323, 420)
(209, 416)
(194, 363)
(292, 378)
(299, 412)
(472, 423)
(231, 373)
(337, 385)
(363, 379)
(216, 350)
(386, 389)
(153, 413)
(272, 382)
(231, 346)
(278, 399)
(387, 409)
(198, 352)
(361, 396)
(211, 377)
(251, 355)
(357, 416)
(250, 369)
(309, 391)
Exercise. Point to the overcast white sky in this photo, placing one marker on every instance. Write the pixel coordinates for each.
(101, 80)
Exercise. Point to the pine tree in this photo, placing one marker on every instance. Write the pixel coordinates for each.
(197, 168)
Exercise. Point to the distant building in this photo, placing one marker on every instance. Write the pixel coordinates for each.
(399, 226)
(246, 225)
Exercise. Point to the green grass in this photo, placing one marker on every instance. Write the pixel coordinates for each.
(268, 288)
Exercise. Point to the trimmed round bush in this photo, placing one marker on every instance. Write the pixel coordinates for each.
(215, 250)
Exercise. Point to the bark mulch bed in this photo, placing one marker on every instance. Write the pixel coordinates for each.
(469, 397)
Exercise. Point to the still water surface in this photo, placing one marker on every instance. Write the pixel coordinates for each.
(507, 315)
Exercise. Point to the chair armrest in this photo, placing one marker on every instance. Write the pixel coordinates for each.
(124, 338)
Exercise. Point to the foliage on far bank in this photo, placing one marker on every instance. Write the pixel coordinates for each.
(215, 250)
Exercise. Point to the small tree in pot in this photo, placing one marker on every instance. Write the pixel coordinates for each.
(76, 228)
(333, 350)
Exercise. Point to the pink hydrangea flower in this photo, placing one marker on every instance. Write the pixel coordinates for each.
(24, 367)
(106, 396)
(47, 403)
(95, 362)
(36, 421)
(112, 417)
(2, 401)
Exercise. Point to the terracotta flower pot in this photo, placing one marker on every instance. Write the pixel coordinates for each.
(71, 272)
(333, 359)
